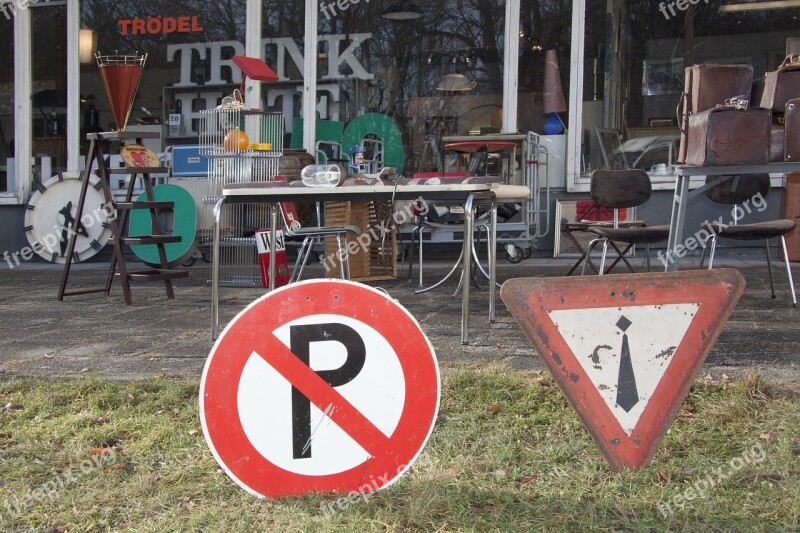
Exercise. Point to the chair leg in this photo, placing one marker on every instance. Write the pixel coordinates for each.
(713, 251)
(588, 254)
(603, 258)
(789, 271)
(342, 253)
(416, 231)
(305, 253)
(769, 268)
(705, 247)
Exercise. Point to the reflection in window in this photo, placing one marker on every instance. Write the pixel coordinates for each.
(634, 59)
(435, 75)
(6, 102)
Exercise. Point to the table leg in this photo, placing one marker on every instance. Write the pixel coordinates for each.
(493, 259)
(469, 224)
(676, 222)
(215, 269)
(273, 242)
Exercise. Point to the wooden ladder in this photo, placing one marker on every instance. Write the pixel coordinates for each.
(118, 215)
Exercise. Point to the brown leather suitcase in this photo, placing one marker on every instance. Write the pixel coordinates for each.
(792, 120)
(706, 86)
(729, 136)
(778, 86)
(777, 142)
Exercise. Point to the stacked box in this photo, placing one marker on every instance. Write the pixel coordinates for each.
(373, 254)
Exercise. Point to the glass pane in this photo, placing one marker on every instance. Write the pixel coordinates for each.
(7, 101)
(634, 59)
(430, 72)
(189, 46)
(49, 90)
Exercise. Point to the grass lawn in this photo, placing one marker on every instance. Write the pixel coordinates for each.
(507, 454)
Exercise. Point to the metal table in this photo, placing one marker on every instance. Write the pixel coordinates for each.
(683, 195)
(272, 193)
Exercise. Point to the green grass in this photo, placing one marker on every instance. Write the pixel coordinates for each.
(507, 454)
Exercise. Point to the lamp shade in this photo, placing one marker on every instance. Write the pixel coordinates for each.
(87, 45)
(402, 10)
(456, 83)
(553, 101)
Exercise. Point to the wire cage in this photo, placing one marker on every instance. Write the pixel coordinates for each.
(242, 145)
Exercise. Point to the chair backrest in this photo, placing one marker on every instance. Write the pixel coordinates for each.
(738, 189)
(620, 188)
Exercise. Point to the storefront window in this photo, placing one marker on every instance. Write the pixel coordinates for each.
(634, 56)
(433, 70)
(188, 69)
(6, 103)
(545, 25)
(49, 100)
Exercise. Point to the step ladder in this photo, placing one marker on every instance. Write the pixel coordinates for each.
(118, 215)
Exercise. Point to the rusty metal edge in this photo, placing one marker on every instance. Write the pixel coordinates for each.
(516, 301)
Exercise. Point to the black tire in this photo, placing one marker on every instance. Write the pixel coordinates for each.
(518, 256)
(189, 262)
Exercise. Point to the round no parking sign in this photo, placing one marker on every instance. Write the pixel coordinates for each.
(319, 386)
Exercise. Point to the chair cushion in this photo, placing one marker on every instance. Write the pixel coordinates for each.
(755, 231)
(510, 192)
(645, 235)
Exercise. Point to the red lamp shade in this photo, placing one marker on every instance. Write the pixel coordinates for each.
(553, 101)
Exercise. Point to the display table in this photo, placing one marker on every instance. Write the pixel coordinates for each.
(272, 193)
(682, 196)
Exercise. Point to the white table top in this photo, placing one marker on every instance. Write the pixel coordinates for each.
(264, 191)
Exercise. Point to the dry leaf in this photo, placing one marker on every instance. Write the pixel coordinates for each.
(57, 444)
(102, 420)
(48, 356)
(98, 451)
(118, 466)
(501, 346)
(767, 435)
(662, 477)
(194, 432)
(725, 376)
(448, 473)
(12, 406)
(85, 369)
(528, 480)
(494, 409)
(61, 529)
(786, 500)
(772, 476)
(624, 510)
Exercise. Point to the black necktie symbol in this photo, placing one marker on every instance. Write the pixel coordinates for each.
(627, 394)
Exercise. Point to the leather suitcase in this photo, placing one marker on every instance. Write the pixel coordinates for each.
(777, 142)
(729, 136)
(706, 86)
(778, 86)
(792, 119)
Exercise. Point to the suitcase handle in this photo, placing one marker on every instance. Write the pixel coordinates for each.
(792, 62)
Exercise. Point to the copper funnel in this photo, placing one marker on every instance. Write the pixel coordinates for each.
(553, 92)
(121, 75)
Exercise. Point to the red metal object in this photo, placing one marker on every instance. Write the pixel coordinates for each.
(625, 348)
(255, 69)
(121, 80)
(471, 147)
(319, 386)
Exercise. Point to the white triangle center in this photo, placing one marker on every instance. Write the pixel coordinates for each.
(595, 337)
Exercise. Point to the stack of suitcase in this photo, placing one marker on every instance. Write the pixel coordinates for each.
(727, 119)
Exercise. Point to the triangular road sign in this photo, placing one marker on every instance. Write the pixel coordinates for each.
(625, 348)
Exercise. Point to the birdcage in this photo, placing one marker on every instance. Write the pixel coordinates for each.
(242, 145)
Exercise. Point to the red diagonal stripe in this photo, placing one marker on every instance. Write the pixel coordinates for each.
(313, 387)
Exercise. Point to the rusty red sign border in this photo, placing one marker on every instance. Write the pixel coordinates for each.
(531, 299)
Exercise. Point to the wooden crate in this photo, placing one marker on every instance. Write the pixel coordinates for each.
(367, 262)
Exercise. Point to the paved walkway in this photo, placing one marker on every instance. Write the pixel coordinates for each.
(100, 336)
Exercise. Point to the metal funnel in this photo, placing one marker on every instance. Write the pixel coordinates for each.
(121, 75)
